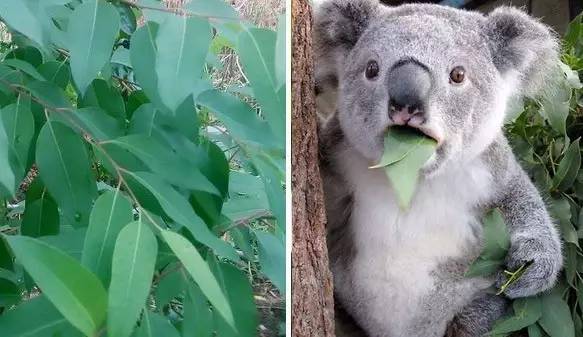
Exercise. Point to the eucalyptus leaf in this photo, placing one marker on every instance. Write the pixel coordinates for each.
(63, 164)
(74, 290)
(47, 320)
(527, 311)
(182, 44)
(257, 49)
(406, 151)
(271, 253)
(92, 30)
(41, 217)
(111, 212)
(134, 258)
(201, 274)
(180, 210)
(568, 167)
(556, 317)
(155, 325)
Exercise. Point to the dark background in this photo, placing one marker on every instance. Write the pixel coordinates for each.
(556, 13)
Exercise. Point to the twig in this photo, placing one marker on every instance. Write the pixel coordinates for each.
(255, 216)
(176, 11)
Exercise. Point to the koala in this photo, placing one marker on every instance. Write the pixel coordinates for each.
(447, 73)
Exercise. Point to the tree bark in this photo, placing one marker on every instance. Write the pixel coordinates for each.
(312, 300)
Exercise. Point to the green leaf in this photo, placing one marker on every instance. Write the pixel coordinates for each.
(56, 72)
(240, 294)
(170, 286)
(41, 217)
(198, 319)
(246, 196)
(178, 208)
(152, 11)
(18, 15)
(25, 68)
(242, 121)
(143, 57)
(216, 9)
(556, 317)
(200, 273)
(571, 76)
(27, 53)
(9, 173)
(128, 19)
(5, 256)
(280, 52)
(154, 325)
(568, 167)
(272, 173)
(163, 161)
(404, 167)
(74, 291)
(97, 123)
(183, 44)
(271, 255)
(10, 292)
(561, 210)
(112, 211)
(50, 95)
(100, 94)
(496, 236)
(92, 30)
(18, 123)
(47, 320)
(69, 241)
(526, 312)
(257, 52)
(555, 107)
(399, 143)
(534, 331)
(481, 267)
(132, 271)
(63, 164)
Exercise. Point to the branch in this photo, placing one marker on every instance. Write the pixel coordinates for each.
(180, 11)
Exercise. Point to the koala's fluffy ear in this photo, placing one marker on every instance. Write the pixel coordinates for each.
(523, 48)
(339, 23)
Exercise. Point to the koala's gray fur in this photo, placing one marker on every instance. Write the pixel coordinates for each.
(401, 273)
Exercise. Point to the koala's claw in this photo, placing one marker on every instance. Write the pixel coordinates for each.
(544, 264)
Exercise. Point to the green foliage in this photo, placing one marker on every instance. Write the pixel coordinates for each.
(406, 151)
(545, 135)
(138, 198)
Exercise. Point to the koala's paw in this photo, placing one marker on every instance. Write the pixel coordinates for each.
(456, 329)
(545, 263)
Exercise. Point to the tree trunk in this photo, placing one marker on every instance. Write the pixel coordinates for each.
(312, 300)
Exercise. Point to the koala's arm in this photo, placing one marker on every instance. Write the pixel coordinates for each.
(534, 237)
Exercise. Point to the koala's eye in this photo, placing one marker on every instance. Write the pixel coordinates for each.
(372, 70)
(457, 74)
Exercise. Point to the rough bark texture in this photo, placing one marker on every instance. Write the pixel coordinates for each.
(312, 300)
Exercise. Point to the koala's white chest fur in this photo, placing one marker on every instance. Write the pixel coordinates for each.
(397, 251)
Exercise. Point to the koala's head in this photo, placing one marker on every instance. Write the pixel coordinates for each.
(444, 71)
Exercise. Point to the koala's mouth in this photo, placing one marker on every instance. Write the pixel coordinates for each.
(421, 130)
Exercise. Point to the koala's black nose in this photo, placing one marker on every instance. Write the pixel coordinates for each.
(409, 84)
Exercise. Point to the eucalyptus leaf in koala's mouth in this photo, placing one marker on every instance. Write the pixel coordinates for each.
(406, 151)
